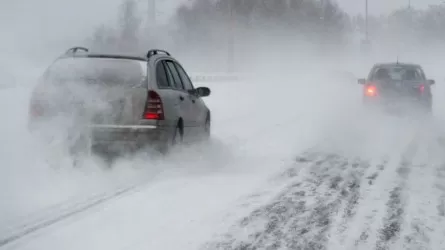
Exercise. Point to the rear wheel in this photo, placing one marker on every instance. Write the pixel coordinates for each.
(429, 110)
(426, 107)
(80, 150)
(176, 139)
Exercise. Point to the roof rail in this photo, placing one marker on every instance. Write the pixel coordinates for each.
(72, 51)
(153, 52)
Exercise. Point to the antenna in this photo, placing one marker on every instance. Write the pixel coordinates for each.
(397, 59)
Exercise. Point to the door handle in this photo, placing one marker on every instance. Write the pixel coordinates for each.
(181, 98)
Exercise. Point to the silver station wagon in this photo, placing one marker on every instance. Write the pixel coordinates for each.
(119, 103)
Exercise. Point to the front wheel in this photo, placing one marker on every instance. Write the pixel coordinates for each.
(207, 128)
(177, 137)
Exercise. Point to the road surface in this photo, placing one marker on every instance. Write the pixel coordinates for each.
(294, 167)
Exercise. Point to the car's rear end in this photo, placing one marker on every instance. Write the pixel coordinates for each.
(100, 102)
(397, 92)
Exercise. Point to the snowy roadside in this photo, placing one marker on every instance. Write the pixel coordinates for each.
(246, 152)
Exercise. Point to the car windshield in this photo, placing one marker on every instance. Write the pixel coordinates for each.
(107, 71)
(398, 73)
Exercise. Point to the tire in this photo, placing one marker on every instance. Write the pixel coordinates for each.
(207, 128)
(177, 137)
(429, 111)
(174, 141)
(426, 108)
(80, 150)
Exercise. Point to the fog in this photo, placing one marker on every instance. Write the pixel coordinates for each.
(382, 6)
(297, 93)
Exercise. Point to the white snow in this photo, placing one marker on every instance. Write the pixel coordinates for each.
(198, 192)
(183, 201)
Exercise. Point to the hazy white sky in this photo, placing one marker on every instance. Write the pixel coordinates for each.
(47, 22)
(50, 15)
(382, 6)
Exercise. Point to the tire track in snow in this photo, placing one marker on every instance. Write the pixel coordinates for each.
(371, 178)
(65, 212)
(424, 223)
(393, 221)
(304, 208)
(341, 186)
(439, 187)
(228, 241)
(362, 227)
(70, 208)
(397, 203)
(277, 184)
(347, 201)
(351, 209)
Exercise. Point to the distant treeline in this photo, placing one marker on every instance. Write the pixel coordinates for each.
(210, 22)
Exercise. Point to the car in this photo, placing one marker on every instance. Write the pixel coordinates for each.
(114, 103)
(398, 87)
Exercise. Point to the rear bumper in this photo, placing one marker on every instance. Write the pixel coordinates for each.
(126, 137)
(402, 105)
(403, 101)
(107, 137)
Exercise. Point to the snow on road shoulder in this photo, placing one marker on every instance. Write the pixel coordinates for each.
(185, 207)
(36, 190)
(248, 147)
(345, 202)
(224, 188)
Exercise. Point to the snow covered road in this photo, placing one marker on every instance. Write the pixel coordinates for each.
(296, 168)
(235, 163)
(335, 202)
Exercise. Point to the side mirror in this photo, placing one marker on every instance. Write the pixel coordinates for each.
(431, 82)
(201, 91)
(361, 81)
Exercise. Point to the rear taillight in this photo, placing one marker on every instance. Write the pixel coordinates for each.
(422, 88)
(371, 90)
(153, 108)
(36, 108)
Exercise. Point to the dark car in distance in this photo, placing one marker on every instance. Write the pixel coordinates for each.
(398, 87)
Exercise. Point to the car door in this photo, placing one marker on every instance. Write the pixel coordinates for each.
(171, 101)
(185, 103)
(198, 110)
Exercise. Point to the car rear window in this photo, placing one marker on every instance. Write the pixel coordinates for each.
(107, 71)
(398, 73)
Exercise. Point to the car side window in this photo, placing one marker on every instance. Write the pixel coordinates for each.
(371, 73)
(184, 77)
(176, 78)
(170, 78)
(161, 76)
(421, 73)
